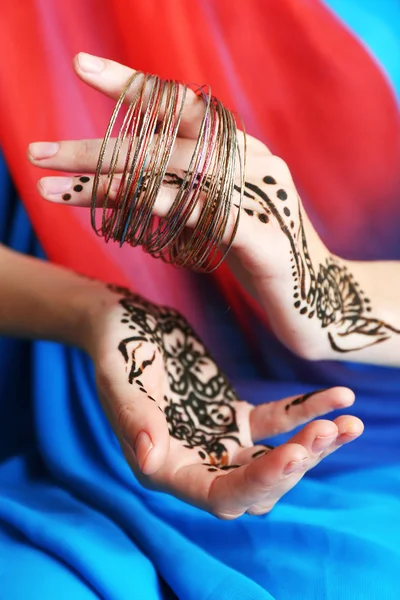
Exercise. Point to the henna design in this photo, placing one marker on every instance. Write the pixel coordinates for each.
(200, 409)
(329, 292)
(301, 399)
(265, 450)
(77, 188)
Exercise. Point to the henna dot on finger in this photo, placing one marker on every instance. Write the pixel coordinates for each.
(270, 180)
(286, 211)
(249, 212)
(263, 218)
(66, 197)
(84, 179)
(78, 187)
(282, 195)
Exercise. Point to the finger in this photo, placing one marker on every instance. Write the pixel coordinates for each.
(314, 438)
(318, 446)
(273, 418)
(243, 456)
(82, 155)
(227, 493)
(349, 429)
(110, 77)
(320, 439)
(136, 418)
(77, 191)
(231, 494)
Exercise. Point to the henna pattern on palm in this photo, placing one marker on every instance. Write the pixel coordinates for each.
(200, 409)
(328, 293)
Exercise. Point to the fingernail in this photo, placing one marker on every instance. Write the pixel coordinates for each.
(89, 63)
(55, 185)
(322, 442)
(39, 150)
(143, 446)
(294, 465)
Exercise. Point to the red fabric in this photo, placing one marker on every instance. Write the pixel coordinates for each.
(299, 78)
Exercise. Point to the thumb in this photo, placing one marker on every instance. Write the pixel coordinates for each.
(139, 421)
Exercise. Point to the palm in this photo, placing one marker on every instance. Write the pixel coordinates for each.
(212, 461)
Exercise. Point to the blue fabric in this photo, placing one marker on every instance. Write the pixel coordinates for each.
(377, 25)
(74, 523)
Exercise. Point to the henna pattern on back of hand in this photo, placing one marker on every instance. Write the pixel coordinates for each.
(327, 292)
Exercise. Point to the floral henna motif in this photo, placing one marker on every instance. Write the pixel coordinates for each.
(329, 293)
(200, 407)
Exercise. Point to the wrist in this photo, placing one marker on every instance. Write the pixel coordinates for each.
(39, 300)
(92, 300)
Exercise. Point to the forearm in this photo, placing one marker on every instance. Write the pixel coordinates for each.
(40, 300)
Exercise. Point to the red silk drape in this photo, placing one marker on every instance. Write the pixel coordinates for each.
(301, 81)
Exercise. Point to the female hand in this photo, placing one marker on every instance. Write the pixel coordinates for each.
(314, 302)
(180, 424)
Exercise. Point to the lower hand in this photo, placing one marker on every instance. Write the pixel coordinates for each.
(182, 427)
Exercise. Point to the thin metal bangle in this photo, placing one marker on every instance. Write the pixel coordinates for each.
(208, 185)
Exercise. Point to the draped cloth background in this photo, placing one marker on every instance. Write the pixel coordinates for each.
(319, 83)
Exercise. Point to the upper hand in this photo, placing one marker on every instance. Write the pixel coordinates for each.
(314, 303)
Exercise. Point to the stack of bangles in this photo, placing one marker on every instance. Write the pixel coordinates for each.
(208, 184)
